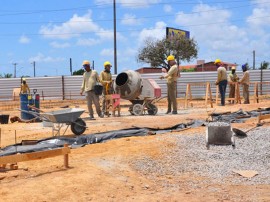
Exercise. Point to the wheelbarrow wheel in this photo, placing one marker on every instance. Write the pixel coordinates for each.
(152, 109)
(137, 109)
(78, 127)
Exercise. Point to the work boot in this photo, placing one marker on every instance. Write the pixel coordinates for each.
(91, 117)
(169, 111)
(101, 115)
(174, 112)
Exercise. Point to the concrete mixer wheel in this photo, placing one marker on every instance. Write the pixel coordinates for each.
(152, 109)
(137, 109)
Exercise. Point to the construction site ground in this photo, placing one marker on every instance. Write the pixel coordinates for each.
(104, 172)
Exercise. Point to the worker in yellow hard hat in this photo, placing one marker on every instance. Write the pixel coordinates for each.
(90, 79)
(171, 77)
(221, 80)
(106, 80)
(232, 79)
(24, 87)
(245, 80)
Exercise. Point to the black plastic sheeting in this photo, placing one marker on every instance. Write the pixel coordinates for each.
(79, 141)
(239, 116)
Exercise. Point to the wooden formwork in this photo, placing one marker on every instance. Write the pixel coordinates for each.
(13, 160)
(208, 94)
(236, 99)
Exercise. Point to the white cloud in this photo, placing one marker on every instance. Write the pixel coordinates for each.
(128, 3)
(108, 35)
(213, 30)
(87, 42)
(42, 58)
(24, 39)
(107, 52)
(130, 19)
(158, 32)
(55, 44)
(167, 8)
(260, 16)
(74, 27)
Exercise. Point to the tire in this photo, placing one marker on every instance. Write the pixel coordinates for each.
(78, 127)
(137, 109)
(152, 109)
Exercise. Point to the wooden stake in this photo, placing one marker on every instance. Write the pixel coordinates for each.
(217, 92)
(208, 95)
(66, 157)
(16, 141)
(188, 95)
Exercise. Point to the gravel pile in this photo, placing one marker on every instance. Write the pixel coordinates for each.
(189, 155)
(218, 124)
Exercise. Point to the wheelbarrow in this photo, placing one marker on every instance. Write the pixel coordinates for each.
(69, 117)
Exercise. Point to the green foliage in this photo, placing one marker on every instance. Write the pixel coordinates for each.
(188, 70)
(264, 65)
(78, 72)
(156, 52)
(6, 75)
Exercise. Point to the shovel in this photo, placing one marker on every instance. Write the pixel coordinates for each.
(240, 133)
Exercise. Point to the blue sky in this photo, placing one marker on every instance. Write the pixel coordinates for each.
(53, 31)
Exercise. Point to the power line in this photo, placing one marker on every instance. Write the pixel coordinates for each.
(136, 18)
(131, 30)
(98, 6)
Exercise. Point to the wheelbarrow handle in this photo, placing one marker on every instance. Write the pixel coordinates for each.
(32, 107)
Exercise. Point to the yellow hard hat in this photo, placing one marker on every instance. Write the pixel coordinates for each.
(23, 79)
(233, 67)
(85, 62)
(170, 57)
(217, 61)
(107, 63)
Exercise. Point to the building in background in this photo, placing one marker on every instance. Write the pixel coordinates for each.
(201, 66)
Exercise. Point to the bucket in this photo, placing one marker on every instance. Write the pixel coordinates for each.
(4, 119)
(25, 100)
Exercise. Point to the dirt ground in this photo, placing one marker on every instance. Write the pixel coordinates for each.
(102, 172)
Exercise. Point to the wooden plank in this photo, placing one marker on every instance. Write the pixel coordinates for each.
(266, 116)
(33, 156)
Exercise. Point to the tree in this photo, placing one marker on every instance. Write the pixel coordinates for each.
(6, 75)
(264, 65)
(78, 72)
(156, 52)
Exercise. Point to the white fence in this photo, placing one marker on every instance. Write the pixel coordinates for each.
(68, 87)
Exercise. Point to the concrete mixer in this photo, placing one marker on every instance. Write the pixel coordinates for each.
(142, 93)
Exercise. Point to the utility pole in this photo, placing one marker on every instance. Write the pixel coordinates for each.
(70, 66)
(15, 64)
(34, 65)
(253, 59)
(114, 34)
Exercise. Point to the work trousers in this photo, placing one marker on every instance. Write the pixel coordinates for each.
(171, 92)
(91, 98)
(232, 91)
(222, 90)
(246, 93)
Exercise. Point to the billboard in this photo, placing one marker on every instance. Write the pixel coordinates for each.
(171, 32)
